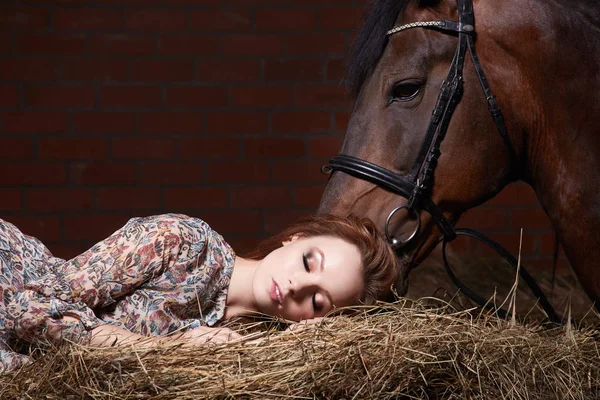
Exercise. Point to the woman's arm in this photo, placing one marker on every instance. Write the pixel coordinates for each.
(109, 335)
(118, 265)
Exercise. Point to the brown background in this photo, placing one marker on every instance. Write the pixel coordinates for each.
(223, 110)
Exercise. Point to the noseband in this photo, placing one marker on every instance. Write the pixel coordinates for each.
(416, 185)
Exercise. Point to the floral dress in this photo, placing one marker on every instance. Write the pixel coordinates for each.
(153, 276)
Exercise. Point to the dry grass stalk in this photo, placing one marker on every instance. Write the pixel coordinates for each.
(403, 350)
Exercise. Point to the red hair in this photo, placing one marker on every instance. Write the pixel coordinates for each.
(378, 259)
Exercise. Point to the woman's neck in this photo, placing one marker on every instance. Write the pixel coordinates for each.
(240, 297)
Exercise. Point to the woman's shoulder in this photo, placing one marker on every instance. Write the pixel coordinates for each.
(192, 228)
(169, 220)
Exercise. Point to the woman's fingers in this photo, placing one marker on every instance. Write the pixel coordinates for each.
(303, 324)
(204, 335)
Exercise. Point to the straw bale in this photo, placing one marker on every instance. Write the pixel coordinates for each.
(402, 350)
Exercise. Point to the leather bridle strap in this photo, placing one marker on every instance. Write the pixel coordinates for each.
(533, 286)
(390, 181)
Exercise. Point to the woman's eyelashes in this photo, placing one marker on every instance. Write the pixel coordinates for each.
(306, 260)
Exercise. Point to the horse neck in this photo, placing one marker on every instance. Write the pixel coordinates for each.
(560, 75)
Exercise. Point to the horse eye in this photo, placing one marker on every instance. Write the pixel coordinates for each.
(404, 91)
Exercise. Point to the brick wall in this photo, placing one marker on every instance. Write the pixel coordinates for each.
(221, 109)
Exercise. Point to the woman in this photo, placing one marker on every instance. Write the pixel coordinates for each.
(172, 273)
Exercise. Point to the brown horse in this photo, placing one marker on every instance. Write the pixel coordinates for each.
(542, 61)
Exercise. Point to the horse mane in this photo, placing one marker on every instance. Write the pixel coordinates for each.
(371, 41)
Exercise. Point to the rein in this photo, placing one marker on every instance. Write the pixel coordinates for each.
(416, 185)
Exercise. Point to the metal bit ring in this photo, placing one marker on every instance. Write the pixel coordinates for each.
(395, 243)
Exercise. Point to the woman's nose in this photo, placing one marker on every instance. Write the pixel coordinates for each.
(298, 285)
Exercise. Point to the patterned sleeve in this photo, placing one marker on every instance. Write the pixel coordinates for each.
(113, 268)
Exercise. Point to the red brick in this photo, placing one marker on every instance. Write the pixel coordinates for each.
(68, 251)
(33, 122)
(228, 71)
(229, 222)
(143, 148)
(336, 69)
(104, 122)
(9, 96)
(236, 122)
(25, 174)
(103, 173)
(73, 148)
(293, 70)
(325, 146)
(252, 45)
(52, 44)
(171, 122)
(529, 219)
(516, 194)
(237, 172)
(188, 45)
(12, 199)
(197, 97)
(163, 173)
(244, 243)
(63, 199)
(27, 18)
(155, 20)
(60, 96)
(276, 221)
(298, 171)
(122, 44)
(309, 196)
(321, 96)
(282, 19)
(46, 228)
(28, 70)
(17, 148)
(268, 197)
(95, 227)
(340, 18)
(131, 96)
(301, 122)
(169, 71)
(95, 70)
(86, 18)
(340, 121)
(194, 198)
(317, 43)
(128, 198)
(261, 96)
(480, 218)
(6, 43)
(161, 2)
(224, 19)
(274, 148)
(202, 148)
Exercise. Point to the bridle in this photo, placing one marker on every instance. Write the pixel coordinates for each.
(415, 186)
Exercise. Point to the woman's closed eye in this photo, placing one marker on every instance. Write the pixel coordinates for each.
(306, 260)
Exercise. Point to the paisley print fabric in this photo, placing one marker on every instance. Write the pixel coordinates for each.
(153, 276)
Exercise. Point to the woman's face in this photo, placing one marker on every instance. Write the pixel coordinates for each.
(308, 277)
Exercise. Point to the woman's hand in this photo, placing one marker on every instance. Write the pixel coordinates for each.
(298, 326)
(205, 335)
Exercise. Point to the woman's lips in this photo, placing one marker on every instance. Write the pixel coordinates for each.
(275, 292)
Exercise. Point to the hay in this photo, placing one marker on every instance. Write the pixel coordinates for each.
(403, 350)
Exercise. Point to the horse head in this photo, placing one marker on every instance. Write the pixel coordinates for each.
(412, 175)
